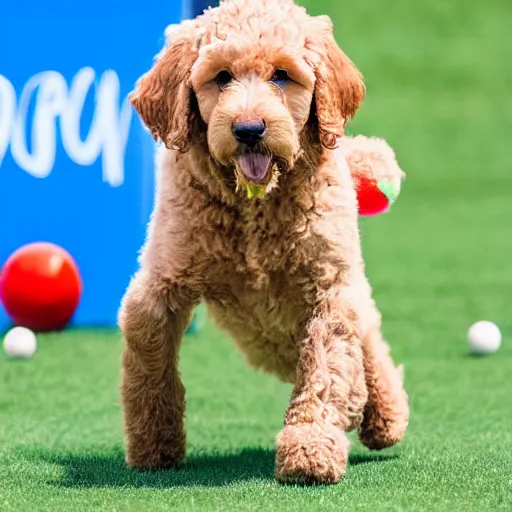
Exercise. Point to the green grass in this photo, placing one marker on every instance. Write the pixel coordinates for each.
(439, 83)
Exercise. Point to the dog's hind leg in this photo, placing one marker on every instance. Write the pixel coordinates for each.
(386, 414)
(153, 318)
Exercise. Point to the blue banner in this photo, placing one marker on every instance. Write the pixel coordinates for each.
(76, 165)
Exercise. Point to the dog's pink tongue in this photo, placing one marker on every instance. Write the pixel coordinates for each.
(255, 167)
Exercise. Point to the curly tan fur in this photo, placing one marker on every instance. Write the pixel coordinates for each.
(283, 274)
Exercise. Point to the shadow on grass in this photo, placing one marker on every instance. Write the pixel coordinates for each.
(366, 458)
(213, 470)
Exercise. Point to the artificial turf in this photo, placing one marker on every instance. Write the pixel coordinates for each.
(439, 82)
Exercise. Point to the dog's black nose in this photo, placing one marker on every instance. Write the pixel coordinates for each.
(249, 131)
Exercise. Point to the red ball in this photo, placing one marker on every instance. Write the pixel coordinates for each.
(371, 200)
(40, 287)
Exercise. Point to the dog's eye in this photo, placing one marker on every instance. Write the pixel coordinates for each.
(280, 77)
(223, 78)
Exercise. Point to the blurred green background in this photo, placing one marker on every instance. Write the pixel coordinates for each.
(439, 90)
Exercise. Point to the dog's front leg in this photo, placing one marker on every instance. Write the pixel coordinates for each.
(153, 318)
(328, 398)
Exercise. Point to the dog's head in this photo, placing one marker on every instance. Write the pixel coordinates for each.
(250, 78)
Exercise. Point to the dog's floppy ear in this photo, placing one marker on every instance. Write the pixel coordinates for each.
(339, 88)
(163, 96)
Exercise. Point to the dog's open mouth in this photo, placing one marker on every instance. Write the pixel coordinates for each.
(254, 167)
(256, 172)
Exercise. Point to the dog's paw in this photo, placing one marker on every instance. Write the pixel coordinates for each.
(384, 424)
(143, 456)
(310, 453)
(163, 462)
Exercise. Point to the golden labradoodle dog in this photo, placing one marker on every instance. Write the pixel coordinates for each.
(256, 214)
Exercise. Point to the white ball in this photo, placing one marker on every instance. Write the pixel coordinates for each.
(20, 342)
(484, 337)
